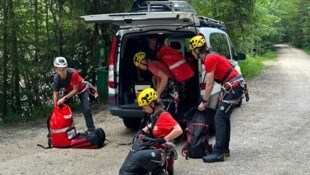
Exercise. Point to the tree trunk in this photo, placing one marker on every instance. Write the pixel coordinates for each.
(36, 85)
(60, 27)
(4, 106)
(16, 100)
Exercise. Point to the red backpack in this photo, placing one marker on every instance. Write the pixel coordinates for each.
(174, 60)
(63, 134)
(61, 127)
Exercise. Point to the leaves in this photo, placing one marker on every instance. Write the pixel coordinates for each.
(34, 32)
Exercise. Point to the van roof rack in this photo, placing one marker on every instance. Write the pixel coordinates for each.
(176, 6)
(163, 6)
(209, 22)
(160, 4)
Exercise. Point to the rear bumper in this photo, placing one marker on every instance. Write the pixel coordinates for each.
(126, 113)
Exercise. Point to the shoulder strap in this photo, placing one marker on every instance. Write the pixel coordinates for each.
(224, 78)
(49, 139)
(154, 120)
(227, 74)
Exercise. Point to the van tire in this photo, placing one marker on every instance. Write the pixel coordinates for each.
(132, 123)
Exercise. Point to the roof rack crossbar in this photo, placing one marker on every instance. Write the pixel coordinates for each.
(168, 4)
(205, 21)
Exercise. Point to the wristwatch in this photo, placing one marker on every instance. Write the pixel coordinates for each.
(66, 98)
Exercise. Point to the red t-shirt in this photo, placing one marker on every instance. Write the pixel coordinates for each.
(155, 66)
(220, 65)
(164, 125)
(73, 78)
(76, 80)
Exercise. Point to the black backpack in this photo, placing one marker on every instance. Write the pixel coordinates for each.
(197, 134)
(89, 140)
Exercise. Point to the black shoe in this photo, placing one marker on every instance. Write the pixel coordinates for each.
(226, 152)
(213, 157)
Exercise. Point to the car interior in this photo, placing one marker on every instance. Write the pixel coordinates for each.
(130, 84)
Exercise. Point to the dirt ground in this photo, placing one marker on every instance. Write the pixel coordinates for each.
(270, 134)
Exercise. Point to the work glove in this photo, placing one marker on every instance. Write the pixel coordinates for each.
(160, 140)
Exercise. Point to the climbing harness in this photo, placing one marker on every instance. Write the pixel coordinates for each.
(229, 86)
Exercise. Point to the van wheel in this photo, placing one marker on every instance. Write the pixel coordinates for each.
(132, 123)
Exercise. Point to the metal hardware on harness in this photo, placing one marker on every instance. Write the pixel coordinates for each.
(228, 87)
(172, 93)
(229, 84)
(90, 88)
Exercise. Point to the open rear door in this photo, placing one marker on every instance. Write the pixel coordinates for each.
(129, 20)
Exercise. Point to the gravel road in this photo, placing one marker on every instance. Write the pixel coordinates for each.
(270, 134)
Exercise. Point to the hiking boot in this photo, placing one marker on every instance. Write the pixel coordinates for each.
(226, 152)
(213, 157)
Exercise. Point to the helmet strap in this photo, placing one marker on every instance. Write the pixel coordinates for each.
(197, 52)
(153, 108)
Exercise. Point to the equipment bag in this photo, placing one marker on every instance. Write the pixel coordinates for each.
(61, 126)
(174, 60)
(90, 140)
(62, 132)
(197, 144)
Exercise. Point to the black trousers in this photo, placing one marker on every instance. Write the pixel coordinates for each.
(143, 161)
(84, 98)
(222, 119)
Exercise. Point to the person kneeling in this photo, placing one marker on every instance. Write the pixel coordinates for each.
(147, 153)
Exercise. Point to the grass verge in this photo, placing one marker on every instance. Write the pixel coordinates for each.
(252, 66)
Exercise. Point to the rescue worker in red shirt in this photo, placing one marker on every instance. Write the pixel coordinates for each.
(158, 69)
(73, 84)
(163, 128)
(218, 69)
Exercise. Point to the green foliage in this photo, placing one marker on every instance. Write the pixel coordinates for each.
(33, 33)
(253, 66)
(295, 21)
(258, 25)
(27, 117)
(41, 34)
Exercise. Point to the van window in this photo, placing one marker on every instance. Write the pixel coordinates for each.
(220, 44)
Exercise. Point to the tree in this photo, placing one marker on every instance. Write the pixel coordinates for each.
(5, 58)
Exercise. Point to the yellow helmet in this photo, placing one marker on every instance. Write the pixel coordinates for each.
(139, 56)
(147, 96)
(197, 41)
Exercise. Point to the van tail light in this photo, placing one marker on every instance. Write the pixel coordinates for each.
(111, 83)
(112, 56)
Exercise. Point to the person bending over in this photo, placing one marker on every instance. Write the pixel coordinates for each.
(73, 84)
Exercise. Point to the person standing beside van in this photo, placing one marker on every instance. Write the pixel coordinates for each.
(158, 69)
(73, 84)
(218, 69)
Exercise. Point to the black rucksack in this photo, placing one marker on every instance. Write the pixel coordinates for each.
(89, 140)
(197, 143)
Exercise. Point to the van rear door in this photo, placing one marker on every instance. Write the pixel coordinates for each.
(130, 20)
